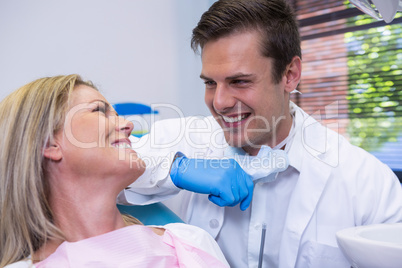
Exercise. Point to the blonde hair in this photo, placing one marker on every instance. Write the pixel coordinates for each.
(28, 119)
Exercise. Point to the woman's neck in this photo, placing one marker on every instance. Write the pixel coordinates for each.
(83, 214)
(80, 215)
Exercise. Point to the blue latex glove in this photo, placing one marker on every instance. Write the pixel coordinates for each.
(223, 179)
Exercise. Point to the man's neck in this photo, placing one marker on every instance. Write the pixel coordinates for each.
(275, 139)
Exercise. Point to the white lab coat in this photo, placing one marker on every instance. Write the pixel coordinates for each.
(339, 186)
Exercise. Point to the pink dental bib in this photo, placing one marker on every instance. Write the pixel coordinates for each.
(132, 246)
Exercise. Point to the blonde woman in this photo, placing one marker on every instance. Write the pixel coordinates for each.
(61, 144)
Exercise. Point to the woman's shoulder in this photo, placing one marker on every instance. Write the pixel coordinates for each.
(181, 230)
(196, 237)
(187, 229)
(27, 263)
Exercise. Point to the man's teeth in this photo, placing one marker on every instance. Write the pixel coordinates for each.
(122, 145)
(234, 119)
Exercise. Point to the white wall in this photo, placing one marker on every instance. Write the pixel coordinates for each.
(133, 50)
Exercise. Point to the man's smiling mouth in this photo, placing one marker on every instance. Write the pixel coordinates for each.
(234, 119)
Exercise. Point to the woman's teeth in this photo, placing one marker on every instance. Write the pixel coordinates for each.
(122, 145)
(234, 119)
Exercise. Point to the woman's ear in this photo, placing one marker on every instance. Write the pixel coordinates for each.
(293, 74)
(52, 151)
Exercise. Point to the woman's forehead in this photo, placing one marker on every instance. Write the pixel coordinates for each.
(85, 94)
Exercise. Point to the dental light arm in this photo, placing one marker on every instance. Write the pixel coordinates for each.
(379, 9)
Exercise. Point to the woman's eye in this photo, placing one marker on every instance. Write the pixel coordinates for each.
(100, 108)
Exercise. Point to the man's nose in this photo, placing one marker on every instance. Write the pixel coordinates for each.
(224, 99)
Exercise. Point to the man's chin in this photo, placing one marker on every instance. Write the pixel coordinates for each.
(245, 144)
(236, 141)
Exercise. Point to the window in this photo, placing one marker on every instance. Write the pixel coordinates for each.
(352, 75)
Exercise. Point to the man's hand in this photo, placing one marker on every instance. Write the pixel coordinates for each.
(223, 179)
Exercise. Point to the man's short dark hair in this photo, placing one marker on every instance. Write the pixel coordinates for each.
(274, 19)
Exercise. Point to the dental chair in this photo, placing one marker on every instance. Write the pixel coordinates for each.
(153, 214)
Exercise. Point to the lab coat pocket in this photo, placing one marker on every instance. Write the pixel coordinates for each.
(315, 255)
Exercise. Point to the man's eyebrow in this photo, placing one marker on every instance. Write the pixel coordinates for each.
(203, 77)
(238, 75)
(235, 76)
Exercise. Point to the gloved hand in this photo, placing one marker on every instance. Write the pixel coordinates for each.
(223, 179)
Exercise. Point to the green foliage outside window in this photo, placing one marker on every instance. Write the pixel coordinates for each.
(375, 83)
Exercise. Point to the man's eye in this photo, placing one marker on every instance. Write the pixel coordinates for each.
(209, 83)
(239, 82)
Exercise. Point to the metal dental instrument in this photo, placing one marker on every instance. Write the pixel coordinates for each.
(260, 259)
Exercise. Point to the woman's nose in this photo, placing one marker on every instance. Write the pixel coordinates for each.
(124, 126)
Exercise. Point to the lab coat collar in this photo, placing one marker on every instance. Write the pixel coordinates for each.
(294, 149)
(312, 137)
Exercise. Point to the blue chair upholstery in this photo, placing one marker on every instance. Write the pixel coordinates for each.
(153, 214)
(130, 108)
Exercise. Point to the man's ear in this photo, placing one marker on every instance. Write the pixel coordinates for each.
(293, 74)
(52, 151)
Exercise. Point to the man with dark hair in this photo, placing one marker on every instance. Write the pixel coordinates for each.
(244, 46)
(270, 18)
(309, 182)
